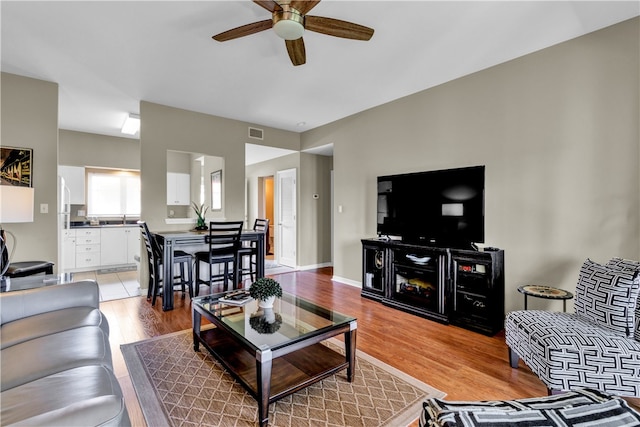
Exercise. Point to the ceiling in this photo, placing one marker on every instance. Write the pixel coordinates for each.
(107, 56)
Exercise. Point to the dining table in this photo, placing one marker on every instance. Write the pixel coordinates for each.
(192, 241)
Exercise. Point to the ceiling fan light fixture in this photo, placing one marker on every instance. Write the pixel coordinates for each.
(288, 23)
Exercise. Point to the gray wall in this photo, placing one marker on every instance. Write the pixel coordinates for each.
(314, 215)
(558, 133)
(165, 128)
(29, 116)
(88, 149)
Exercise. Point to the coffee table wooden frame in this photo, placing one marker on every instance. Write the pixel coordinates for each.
(271, 374)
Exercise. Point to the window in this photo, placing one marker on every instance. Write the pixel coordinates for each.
(113, 192)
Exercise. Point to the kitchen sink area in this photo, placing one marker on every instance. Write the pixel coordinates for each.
(104, 223)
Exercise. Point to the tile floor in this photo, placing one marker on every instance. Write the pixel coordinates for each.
(113, 285)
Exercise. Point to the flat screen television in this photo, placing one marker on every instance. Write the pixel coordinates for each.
(441, 208)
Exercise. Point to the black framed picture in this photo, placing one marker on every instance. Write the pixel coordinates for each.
(16, 165)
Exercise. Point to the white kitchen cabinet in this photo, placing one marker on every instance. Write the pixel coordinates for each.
(133, 244)
(87, 247)
(74, 179)
(113, 249)
(178, 189)
(119, 245)
(68, 249)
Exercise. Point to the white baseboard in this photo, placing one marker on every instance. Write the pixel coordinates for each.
(314, 266)
(347, 281)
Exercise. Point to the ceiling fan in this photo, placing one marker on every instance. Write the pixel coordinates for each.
(290, 20)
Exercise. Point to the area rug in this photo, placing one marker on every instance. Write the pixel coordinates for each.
(177, 386)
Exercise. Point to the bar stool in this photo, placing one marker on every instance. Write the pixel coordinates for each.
(20, 268)
(155, 255)
(224, 246)
(250, 253)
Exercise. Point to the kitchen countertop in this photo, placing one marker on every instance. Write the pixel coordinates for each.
(104, 224)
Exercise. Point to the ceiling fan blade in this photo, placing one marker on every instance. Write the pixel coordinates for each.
(270, 5)
(296, 51)
(304, 6)
(244, 30)
(337, 28)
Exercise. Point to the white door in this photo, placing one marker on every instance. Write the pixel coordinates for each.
(286, 191)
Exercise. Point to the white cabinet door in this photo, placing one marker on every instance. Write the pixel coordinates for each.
(113, 248)
(74, 180)
(178, 189)
(133, 243)
(68, 250)
(119, 245)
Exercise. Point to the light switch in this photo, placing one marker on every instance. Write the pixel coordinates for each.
(44, 208)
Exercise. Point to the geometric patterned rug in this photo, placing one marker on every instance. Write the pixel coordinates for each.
(178, 387)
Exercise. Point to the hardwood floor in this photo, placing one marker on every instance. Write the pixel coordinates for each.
(464, 364)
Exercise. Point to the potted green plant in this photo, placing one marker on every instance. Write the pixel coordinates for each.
(201, 223)
(265, 290)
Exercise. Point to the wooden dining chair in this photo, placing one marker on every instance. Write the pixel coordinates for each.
(249, 253)
(155, 255)
(223, 252)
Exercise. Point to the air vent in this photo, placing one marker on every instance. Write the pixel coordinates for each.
(255, 133)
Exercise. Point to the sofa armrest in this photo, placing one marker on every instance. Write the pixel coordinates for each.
(19, 304)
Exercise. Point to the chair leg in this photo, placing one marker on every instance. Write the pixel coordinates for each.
(149, 286)
(151, 280)
(154, 283)
(156, 289)
(210, 278)
(197, 276)
(190, 279)
(513, 359)
(252, 269)
(225, 278)
(182, 281)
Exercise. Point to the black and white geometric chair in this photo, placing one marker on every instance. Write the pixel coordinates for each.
(598, 346)
(573, 408)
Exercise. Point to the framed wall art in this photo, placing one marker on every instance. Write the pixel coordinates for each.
(16, 165)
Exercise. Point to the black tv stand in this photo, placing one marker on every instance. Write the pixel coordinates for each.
(461, 286)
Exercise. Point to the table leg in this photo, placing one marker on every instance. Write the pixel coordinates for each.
(350, 350)
(525, 301)
(264, 359)
(564, 305)
(167, 278)
(196, 321)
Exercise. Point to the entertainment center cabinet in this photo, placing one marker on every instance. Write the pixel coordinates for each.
(448, 285)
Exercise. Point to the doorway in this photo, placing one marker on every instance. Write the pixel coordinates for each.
(286, 229)
(266, 197)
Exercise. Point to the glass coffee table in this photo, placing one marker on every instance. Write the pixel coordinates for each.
(274, 352)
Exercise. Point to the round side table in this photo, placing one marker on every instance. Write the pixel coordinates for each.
(547, 292)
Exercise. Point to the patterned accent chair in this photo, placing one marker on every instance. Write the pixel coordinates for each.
(598, 346)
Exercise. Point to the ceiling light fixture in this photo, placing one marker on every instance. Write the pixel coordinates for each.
(131, 125)
(288, 24)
